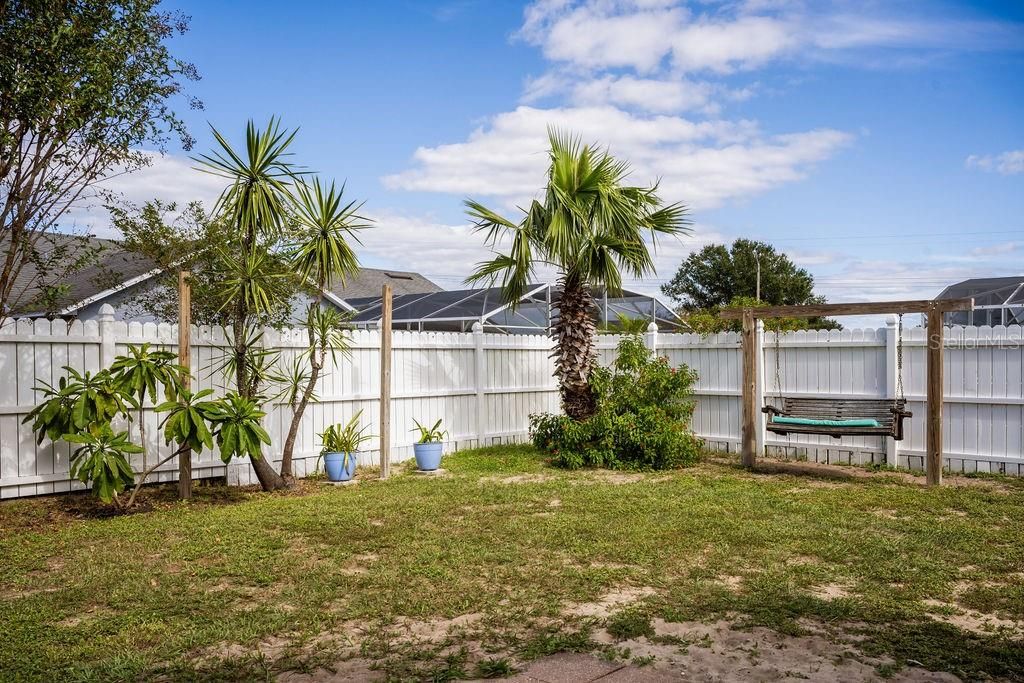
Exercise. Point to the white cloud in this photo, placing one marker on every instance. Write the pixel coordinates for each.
(1007, 163)
(702, 164)
(726, 37)
(168, 177)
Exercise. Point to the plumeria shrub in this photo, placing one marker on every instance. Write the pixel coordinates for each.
(644, 407)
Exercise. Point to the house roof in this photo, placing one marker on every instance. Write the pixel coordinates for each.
(116, 269)
(111, 267)
(369, 281)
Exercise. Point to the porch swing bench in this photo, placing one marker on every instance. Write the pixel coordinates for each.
(838, 417)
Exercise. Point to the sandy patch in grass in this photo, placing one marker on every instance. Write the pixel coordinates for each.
(354, 669)
(619, 478)
(609, 602)
(517, 479)
(719, 652)
(972, 621)
(733, 583)
(358, 564)
(433, 630)
(831, 591)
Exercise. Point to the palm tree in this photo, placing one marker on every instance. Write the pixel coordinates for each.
(255, 206)
(321, 255)
(591, 228)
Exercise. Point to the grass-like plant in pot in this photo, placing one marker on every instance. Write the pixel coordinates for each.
(341, 448)
(429, 448)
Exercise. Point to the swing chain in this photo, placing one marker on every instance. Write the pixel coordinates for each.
(899, 360)
(778, 368)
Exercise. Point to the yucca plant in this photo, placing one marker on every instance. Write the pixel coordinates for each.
(255, 207)
(591, 226)
(322, 254)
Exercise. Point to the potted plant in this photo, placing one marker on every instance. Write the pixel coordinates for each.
(428, 448)
(340, 448)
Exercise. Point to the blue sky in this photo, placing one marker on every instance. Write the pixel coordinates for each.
(881, 144)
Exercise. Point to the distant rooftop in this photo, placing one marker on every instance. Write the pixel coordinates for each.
(369, 281)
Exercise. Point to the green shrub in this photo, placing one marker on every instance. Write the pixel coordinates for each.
(642, 421)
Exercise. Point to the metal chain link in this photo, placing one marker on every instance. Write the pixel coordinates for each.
(899, 360)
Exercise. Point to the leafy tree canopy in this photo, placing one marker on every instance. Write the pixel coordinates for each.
(84, 85)
(718, 277)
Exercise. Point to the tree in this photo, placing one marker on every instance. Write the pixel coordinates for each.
(139, 373)
(84, 84)
(718, 277)
(321, 255)
(591, 227)
(254, 208)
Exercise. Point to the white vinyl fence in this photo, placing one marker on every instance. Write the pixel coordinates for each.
(485, 386)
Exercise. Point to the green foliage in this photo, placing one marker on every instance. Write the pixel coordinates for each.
(80, 403)
(431, 434)
(86, 87)
(346, 438)
(102, 460)
(187, 418)
(629, 624)
(591, 225)
(707, 321)
(239, 432)
(718, 277)
(494, 667)
(642, 418)
(321, 251)
(142, 370)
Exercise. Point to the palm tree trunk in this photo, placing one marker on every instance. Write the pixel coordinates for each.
(316, 362)
(575, 353)
(268, 477)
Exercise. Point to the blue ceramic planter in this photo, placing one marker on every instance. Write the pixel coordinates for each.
(428, 455)
(334, 463)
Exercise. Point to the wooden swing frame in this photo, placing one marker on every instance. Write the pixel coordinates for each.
(933, 309)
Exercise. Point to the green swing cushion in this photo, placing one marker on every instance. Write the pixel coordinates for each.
(824, 423)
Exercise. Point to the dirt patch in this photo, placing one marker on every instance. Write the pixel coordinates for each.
(554, 503)
(359, 564)
(972, 621)
(719, 652)
(733, 583)
(619, 478)
(354, 669)
(851, 474)
(609, 603)
(832, 591)
(517, 479)
(433, 630)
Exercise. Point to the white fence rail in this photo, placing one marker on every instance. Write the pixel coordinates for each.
(485, 386)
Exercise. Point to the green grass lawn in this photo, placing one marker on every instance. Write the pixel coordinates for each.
(479, 571)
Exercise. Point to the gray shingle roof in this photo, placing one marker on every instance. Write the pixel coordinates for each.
(368, 283)
(115, 266)
(112, 266)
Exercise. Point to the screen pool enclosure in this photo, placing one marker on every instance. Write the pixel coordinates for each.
(456, 311)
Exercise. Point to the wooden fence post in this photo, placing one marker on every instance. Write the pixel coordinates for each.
(759, 424)
(749, 393)
(933, 428)
(385, 381)
(185, 360)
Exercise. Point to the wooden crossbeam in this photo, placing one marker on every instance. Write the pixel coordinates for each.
(865, 308)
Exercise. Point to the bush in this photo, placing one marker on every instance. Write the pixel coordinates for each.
(642, 420)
